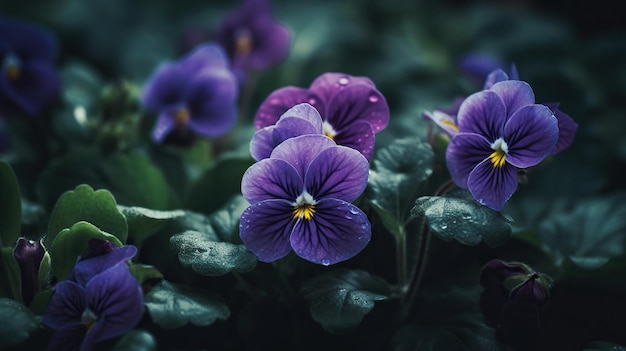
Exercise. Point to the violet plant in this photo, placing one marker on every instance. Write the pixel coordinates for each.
(305, 177)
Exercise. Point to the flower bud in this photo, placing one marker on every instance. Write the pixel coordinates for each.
(29, 254)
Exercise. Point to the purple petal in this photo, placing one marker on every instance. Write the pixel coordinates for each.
(465, 151)
(482, 113)
(498, 75)
(164, 125)
(281, 100)
(567, 128)
(300, 151)
(359, 136)
(307, 112)
(492, 186)
(271, 179)
(338, 231)
(207, 56)
(515, 94)
(265, 228)
(35, 89)
(266, 139)
(478, 65)
(270, 45)
(66, 305)
(357, 103)
(212, 101)
(165, 87)
(442, 120)
(115, 296)
(338, 172)
(530, 134)
(327, 85)
(29, 40)
(85, 269)
(68, 339)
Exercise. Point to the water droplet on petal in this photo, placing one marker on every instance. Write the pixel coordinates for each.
(326, 262)
(344, 81)
(312, 101)
(354, 211)
(373, 98)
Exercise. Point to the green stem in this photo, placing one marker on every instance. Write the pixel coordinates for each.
(401, 261)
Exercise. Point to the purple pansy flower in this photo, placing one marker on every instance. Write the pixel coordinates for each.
(195, 95)
(352, 109)
(252, 38)
(299, 120)
(28, 80)
(500, 130)
(300, 198)
(100, 300)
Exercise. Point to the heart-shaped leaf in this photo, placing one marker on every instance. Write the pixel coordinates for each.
(143, 222)
(22, 322)
(136, 340)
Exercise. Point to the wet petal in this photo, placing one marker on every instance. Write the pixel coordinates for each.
(306, 112)
(531, 134)
(265, 140)
(84, 270)
(115, 296)
(515, 94)
(357, 103)
(465, 151)
(338, 172)
(338, 231)
(212, 101)
(281, 100)
(66, 305)
(300, 151)
(482, 113)
(492, 186)
(265, 228)
(358, 136)
(271, 179)
(567, 128)
(327, 85)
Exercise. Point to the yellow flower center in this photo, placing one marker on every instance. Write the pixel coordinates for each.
(12, 66)
(304, 206)
(89, 318)
(243, 42)
(498, 157)
(328, 130)
(181, 116)
(450, 124)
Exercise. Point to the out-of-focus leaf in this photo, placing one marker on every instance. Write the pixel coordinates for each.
(457, 216)
(143, 272)
(209, 257)
(20, 322)
(604, 346)
(84, 204)
(136, 340)
(73, 242)
(339, 300)
(173, 305)
(11, 278)
(10, 206)
(143, 222)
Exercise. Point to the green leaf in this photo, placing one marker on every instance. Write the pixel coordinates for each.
(136, 340)
(457, 216)
(339, 300)
(40, 301)
(144, 222)
(173, 305)
(84, 204)
(400, 170)
(73, 242)
(11, 278)
(10, 206)
(589, 233)
(143, 272)
(217, 185)
(604, 346)
(225, 221)
(210, 257)
(22, 322)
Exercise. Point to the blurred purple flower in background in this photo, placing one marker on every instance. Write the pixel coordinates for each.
(352, 109)
(29, 82)
(194, 95)
(300, 198)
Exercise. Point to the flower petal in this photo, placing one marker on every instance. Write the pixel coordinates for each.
(281, 100)
(212, 101)
(359, 136)
(271, 45)
(330, 83)
(300, 151)
(164, 87)
(28, 40)
(36, 88)
(164, 125)
(567, 128)
(68, 339)
(531, 134)
(492, 186)
(66, 305)
(483, 113)
(116, 298)
(465, 151)
(85, 269)
(207, 56)
(306, 112)
(357, 103)
(271, 179)
(497, 75)
(338, 172)
(338, 231)
(515, 94)
(265, 228)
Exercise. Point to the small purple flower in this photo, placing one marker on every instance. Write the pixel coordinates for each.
(251, 37)
(28, 80)
(29, 254)
(352, 109)
(299, 120)
(500, 131)
(300, 198)
(100, 299)
(195, 95)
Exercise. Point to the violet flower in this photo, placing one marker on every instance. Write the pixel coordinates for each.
(352, 109)
(194, 95)
(500, 131)
(100, 299)
(300, 198)
(252, 38)
(29, 254)
(28, 82)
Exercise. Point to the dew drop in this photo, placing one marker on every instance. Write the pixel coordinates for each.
(444, 226)
(354, 211)
(312, 101)
(344, 81)
(373, 98)
(326, 262)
